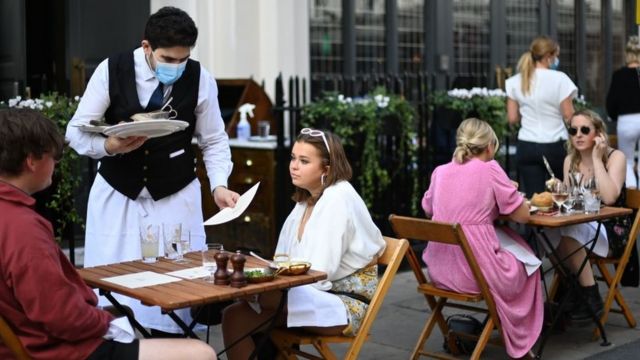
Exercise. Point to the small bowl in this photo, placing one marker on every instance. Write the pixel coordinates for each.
(295, 268)
(259, 275)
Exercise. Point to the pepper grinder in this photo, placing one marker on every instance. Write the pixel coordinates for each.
(237, 262)
(221, 277)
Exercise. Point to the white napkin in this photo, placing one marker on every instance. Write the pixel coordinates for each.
(120, 330)
(530, 261)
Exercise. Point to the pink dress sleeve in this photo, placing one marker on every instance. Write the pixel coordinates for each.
(507, 197)
(427, 199)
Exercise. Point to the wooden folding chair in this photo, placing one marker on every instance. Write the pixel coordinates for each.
(451, 234)
(285, 339)
(613, 281)
(9, 338)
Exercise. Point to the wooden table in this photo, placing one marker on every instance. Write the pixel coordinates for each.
(540, 222)
(184, 293)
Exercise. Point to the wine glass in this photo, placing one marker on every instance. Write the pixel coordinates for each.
(559, 195)
(209, 259)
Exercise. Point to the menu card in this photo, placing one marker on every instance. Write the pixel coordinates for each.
(229, 213)
(141, 279)
(191, 273)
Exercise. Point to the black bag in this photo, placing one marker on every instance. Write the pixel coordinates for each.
(618, 230)
(462, 324)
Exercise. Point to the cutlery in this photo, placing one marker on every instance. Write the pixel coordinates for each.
(98, 123)
(166, 104)
(546, 164)
(270, 263)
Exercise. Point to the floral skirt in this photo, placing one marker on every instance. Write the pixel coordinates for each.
(363, 282)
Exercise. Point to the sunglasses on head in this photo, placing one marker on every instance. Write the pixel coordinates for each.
(585, 130)
(314, 132)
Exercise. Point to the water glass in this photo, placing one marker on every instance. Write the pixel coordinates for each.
(209, 259)
(264, 127)
(149, 242)
(171, 234)
(591, 203)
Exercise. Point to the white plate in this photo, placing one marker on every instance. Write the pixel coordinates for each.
(149, 128)
(91, 128)
(533, 209)
(263, 138)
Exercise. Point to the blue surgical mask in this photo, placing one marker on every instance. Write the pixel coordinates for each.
(555, 64)
(168, 73)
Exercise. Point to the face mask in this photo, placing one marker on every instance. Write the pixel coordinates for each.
(169, 73)
(555, 64)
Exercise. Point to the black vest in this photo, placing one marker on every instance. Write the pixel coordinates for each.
(151, 165)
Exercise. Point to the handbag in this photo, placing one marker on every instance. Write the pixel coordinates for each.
(462, 324)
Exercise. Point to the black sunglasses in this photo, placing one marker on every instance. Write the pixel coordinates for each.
(585, 130)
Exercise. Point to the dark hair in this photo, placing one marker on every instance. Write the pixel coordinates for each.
(25, 132)
(339, 168)
(169, 27)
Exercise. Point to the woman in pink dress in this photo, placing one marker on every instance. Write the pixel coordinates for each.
(473, 190)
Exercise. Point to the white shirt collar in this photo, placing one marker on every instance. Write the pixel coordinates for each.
(141, 65)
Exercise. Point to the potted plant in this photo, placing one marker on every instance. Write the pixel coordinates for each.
(59, 198)
(360, 122)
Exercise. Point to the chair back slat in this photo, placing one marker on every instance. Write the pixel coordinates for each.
(9, 338)
(633, 199)
(451, 234)
(392, 257)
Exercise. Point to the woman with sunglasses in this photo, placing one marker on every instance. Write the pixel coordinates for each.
(590, 155)
(540, 98)
(331, 228)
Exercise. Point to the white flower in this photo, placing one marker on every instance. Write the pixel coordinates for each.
(39, 101)
(76, 98)
(13, 102)
(49, 104)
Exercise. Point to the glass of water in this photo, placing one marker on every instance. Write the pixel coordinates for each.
(209, 259)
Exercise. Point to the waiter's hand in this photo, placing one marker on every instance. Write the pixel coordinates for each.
(225, 197)
(115, 145)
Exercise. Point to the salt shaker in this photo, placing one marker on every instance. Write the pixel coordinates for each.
(221, 277)
(237, 262)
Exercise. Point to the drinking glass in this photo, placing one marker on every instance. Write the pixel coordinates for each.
(591, 203)
(171, 234)
(570, 202)
(559, 195)
(149, 242)
(209, 259)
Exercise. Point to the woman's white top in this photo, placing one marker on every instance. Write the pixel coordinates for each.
(541, 119)
(339, 238)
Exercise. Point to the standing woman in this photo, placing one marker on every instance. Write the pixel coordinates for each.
(541, 99)
(623, 106)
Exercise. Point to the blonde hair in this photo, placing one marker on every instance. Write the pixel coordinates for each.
(540, 47)
(472, 138)
(601, 128)
(632, 51)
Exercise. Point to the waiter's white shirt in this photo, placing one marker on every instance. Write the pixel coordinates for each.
(541, 120)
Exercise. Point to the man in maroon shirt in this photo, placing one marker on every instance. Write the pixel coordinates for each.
(42, 297)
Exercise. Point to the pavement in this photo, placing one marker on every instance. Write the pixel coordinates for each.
(404, 313)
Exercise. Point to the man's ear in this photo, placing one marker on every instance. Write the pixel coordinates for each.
(29, 163)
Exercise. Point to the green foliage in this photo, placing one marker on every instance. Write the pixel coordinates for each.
(59, 109)
(487, 105)
(358, 123)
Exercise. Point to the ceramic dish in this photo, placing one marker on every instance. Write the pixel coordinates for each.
(259, 275)
(294, 268)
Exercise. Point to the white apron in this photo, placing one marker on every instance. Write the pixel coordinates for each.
(112, 235)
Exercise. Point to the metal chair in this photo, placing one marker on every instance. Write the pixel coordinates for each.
(285, 339)
(451, 234)
(9, 338)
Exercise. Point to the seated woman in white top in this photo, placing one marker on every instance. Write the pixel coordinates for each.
(331, 228)
(590, 155)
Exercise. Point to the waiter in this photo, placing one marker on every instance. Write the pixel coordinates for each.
(151, 180)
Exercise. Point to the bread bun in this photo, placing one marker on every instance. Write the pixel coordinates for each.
(542, 200)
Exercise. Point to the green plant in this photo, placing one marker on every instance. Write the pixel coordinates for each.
(485, 104)
(59, 109)
(358, 122)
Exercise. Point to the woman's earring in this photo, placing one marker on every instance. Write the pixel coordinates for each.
(322, 178)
